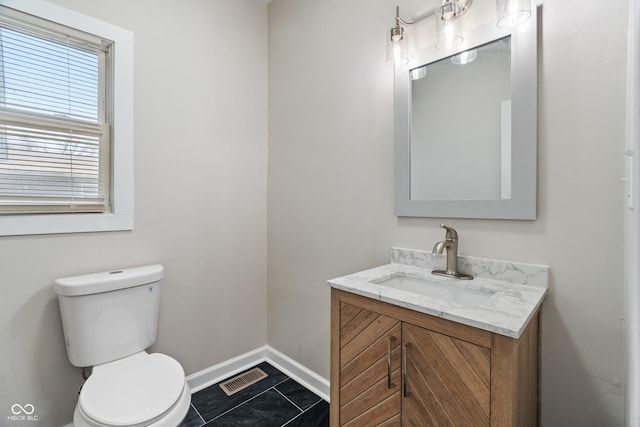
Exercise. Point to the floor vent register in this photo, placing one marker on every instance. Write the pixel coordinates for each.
(242, 381)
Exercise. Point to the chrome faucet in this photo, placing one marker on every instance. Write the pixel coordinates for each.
(450, 244)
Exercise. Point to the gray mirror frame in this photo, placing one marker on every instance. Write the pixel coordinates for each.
(524, 124)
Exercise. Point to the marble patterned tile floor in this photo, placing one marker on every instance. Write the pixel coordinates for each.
(272, 402)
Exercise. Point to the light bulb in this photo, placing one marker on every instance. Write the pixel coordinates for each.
(397, 52)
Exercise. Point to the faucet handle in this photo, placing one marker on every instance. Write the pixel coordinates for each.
(451, 234)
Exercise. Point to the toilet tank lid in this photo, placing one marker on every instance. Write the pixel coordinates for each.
(108, 280)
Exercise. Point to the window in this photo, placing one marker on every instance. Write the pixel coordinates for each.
(53, 121)
(65, 144)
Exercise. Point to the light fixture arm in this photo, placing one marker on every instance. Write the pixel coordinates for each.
(400, 21)
(430, 14)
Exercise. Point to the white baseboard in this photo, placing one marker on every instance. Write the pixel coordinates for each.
(214, 374)
(298, 372)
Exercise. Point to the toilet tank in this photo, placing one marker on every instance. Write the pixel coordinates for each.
(110, 315)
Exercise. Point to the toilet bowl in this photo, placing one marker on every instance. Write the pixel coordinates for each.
(109, 319)
(139, 390)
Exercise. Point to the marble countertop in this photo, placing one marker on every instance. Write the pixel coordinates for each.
(507, 311)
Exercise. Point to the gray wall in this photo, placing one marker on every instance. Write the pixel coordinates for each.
(331, 195)
(200, 201)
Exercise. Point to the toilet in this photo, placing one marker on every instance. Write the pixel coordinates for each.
(109, 319)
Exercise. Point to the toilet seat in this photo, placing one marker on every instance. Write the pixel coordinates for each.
(138, 390)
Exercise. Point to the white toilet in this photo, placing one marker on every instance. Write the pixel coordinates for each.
(109, 319)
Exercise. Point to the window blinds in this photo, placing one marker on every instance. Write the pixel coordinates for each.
(54, 141)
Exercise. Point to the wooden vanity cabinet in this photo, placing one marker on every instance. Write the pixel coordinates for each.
(392, 366)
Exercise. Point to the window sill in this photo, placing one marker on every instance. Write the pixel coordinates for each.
(17, 225)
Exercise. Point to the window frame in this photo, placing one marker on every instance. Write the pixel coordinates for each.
(120, 217)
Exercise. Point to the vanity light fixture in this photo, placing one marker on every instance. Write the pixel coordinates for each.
(448, 16)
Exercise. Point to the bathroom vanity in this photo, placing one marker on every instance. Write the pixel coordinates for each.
(411, 348)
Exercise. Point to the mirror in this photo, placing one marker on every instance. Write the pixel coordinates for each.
(473, 87)
(465, 132)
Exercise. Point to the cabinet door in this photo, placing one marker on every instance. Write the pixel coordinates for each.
(446, 380)
(369, 368)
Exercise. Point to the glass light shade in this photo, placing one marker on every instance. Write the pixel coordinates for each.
(449, 30)
(512, 13)
(465, 57)
(397, 50)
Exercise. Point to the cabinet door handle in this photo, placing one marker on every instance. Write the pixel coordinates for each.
(404, 368)
(389, 341)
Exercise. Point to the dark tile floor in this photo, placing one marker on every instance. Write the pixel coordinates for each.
(272, 402)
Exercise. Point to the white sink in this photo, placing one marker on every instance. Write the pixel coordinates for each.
(464, 293)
